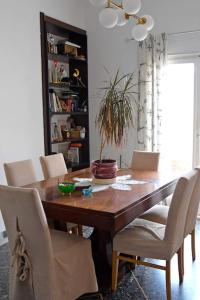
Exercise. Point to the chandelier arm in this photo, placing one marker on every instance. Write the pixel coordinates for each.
(111, 4)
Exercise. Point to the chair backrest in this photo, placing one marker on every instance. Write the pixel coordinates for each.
(193, 207)
(20, 173)
(53, 165)
(174, 232)
(24, 205)
(144, 160)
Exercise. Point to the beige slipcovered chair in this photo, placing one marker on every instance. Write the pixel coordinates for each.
(53, 165)
(20, 173)
(144, 160)
(152, 240)
(45, 264)
(159, 214)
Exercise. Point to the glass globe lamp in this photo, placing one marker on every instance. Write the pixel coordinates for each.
(131, 6)
(108, 17)
(139, 32)
(121, 18)
(149, 24)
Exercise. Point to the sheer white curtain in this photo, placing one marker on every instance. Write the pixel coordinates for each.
(152, 59)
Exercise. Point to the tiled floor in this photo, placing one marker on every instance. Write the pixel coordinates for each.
(152, 281)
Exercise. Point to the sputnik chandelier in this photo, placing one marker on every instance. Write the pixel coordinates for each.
(119, 14)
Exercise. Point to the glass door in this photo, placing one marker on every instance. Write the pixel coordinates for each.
(181, 117)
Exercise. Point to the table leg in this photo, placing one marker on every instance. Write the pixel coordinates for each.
(102, 255)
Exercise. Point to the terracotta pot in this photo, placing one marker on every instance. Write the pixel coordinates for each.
(104, 169)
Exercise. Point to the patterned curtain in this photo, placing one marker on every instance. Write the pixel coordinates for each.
(152, 59)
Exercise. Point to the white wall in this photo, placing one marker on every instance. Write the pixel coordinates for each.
(21, 119)
(111, 48)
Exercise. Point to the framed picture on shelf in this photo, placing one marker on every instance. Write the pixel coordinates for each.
(73, 154)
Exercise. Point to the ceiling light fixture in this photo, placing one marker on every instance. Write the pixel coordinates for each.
(119, 14)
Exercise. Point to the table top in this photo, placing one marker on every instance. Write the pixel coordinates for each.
(110, 208)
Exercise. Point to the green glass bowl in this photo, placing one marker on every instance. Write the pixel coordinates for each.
(66, 187)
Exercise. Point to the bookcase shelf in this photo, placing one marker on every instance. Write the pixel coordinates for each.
(57, 31)
(66, 87)
(70, 141)
(65, 58)
(73, 113)
(80, 60)
(58, 57)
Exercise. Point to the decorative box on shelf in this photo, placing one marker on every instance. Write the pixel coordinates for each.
(75, 134)
(66, 47)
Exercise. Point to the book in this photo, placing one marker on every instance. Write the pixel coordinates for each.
(55, 106)
(59, 107)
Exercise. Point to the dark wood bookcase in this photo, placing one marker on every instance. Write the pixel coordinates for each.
(72, 90)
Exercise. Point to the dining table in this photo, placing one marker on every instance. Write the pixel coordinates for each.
(108, 209)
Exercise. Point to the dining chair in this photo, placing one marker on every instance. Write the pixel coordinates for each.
(145, 160)
(153, 240)
(45, 264)
(20, 173)
(53, 165)
(159, 214)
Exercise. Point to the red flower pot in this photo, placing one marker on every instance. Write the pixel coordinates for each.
(104, 169)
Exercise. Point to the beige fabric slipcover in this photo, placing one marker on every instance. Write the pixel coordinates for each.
(152, 240)
(159, 213)
(20, 173)
(53, 165)
(61, 265)
(144, 160)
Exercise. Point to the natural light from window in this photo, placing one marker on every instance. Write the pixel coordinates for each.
(178, 106)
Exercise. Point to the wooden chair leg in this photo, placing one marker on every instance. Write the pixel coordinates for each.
(180, 264)
(168, 280)
(115, 265)
(74, 230)
(193, 244)
(183, 266)
(80, 230)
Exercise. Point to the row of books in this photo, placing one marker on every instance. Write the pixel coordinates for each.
(69, 104)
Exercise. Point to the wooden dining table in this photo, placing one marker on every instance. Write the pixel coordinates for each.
(107, 211)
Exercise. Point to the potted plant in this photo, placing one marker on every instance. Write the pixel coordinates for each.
(114, 119)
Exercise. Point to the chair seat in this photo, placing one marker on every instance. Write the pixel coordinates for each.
(158, 214)
(142, 238)
(68, 257)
